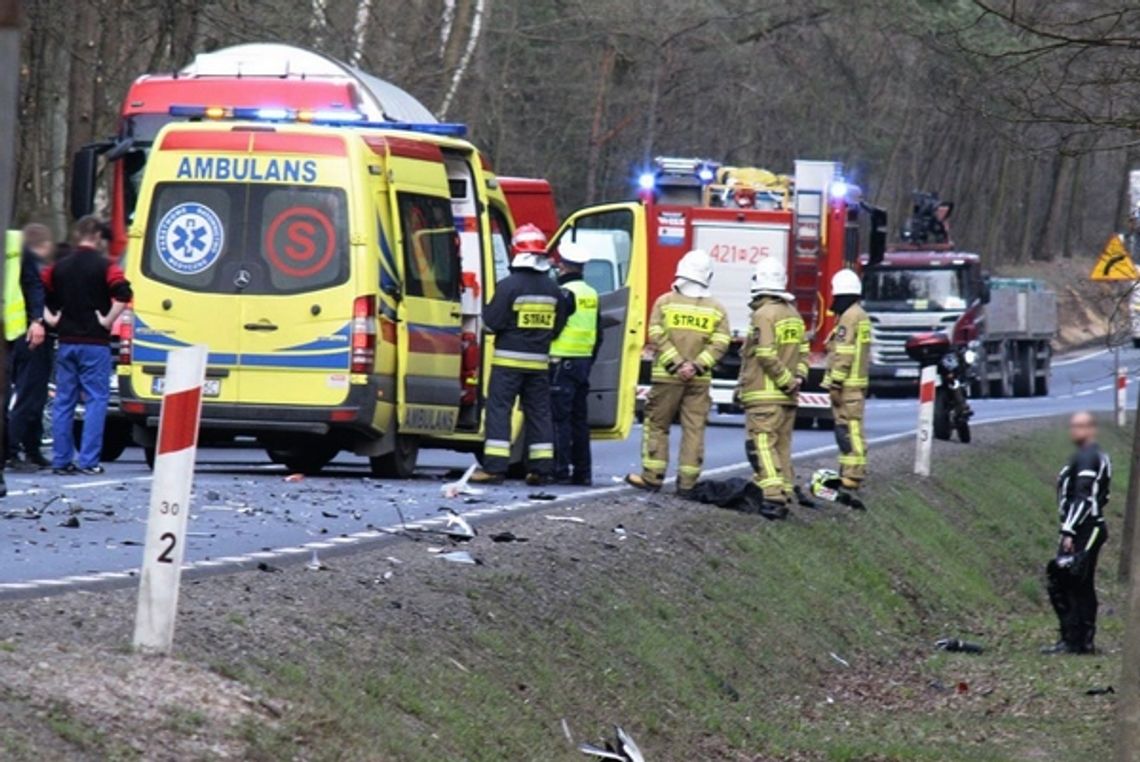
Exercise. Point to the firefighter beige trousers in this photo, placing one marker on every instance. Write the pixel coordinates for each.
(847, 406)
(692, 401)
(769, 449)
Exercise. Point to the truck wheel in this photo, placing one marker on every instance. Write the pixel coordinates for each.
(1002, 386)
(401, 462)
(1041, 383)
(1023, 381)
(942, 426)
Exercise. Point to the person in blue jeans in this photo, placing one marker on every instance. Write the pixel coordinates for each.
(85, 293)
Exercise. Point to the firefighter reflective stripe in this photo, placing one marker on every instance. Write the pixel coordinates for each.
(540, 451)
(763, 395)
(581, 332)
(772, 476)
(15, 311)
(497, 448)
(691, 317)
(848, 349)
(507, 358)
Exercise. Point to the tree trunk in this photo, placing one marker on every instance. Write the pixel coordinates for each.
(594, 150)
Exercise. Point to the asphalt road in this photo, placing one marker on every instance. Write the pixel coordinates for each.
(244, 512)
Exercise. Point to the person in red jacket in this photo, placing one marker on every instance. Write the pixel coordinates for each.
(85, 293)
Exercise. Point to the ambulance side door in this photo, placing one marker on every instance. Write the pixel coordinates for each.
(615, 234)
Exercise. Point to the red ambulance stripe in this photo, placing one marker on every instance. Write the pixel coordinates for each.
(317, 145)
(206, 141)
(178, 428)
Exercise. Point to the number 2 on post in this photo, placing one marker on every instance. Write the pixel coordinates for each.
(164, 556)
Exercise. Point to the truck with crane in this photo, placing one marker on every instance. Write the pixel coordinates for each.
(926, 284)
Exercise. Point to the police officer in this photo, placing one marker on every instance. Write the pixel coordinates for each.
(689, 332)
(848, 358)
(526, 313)
(572, 356)
(774, 366)
(1082, 493)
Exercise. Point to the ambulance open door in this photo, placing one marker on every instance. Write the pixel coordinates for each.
(615, 235)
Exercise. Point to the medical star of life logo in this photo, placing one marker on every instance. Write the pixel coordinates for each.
(190, 238)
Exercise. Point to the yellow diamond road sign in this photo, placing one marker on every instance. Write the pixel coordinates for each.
(1115, 263)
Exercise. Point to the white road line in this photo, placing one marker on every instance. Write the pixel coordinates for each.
(1079, 359)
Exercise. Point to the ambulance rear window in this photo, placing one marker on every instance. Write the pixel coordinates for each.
(253, 238)
(432, 265)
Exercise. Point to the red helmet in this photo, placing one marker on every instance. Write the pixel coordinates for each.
(528, 239)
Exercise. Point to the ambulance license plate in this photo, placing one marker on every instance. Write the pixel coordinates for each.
(906, 373)
(211, 388)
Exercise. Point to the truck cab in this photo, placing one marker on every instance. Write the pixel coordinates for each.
(918, 291)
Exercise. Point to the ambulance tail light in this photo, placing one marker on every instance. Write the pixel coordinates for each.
(364, 334)
(126, 331)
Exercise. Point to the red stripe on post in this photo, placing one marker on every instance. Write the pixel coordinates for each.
(178, 424)
(1121, 381)
(926, 393)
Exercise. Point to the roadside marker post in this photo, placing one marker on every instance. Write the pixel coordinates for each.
(175, 453)
(1121, 393)
(925, 433)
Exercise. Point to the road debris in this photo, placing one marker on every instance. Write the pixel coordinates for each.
(839, 659)
(623, 748)
(457, 527)
(460, 487)
(315, 563)
(459, 557)
(507, 537)
(1106, 690)
(953, 645)
(570, 519)
(293, 478)
(264, 567)
(541, 496)
(71, 522)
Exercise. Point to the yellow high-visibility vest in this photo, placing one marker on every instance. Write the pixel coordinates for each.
(581, 332)
(15, 311)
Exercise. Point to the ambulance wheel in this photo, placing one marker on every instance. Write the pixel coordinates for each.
(307, 460)
(401, 462)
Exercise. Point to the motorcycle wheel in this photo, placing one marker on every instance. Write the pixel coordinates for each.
(942, 427)
(963, 427)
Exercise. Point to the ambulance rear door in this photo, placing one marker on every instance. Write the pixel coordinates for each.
(615, 235)
(429, 311)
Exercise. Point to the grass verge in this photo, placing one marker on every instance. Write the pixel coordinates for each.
(727, 638)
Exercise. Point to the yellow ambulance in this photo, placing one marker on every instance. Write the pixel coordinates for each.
(337, 272)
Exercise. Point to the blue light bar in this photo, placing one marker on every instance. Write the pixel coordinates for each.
(838, 189)
(188, 112)
(647, 181)
(324, 117)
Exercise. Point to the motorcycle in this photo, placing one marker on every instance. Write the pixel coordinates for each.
(955, 366)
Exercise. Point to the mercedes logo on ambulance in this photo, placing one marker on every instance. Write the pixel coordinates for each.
(243, 278)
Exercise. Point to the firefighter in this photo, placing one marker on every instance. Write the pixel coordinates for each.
(526, 313)
(1082, 493)
(848, 357)
(689, 333)
(572, 356)
(774, 367)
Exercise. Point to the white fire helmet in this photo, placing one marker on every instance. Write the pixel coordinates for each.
(770, 277)
(574, 253)
(846, 283)
(696, 267)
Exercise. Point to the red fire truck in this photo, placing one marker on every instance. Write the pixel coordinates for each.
(814, 220)
(270, 79)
